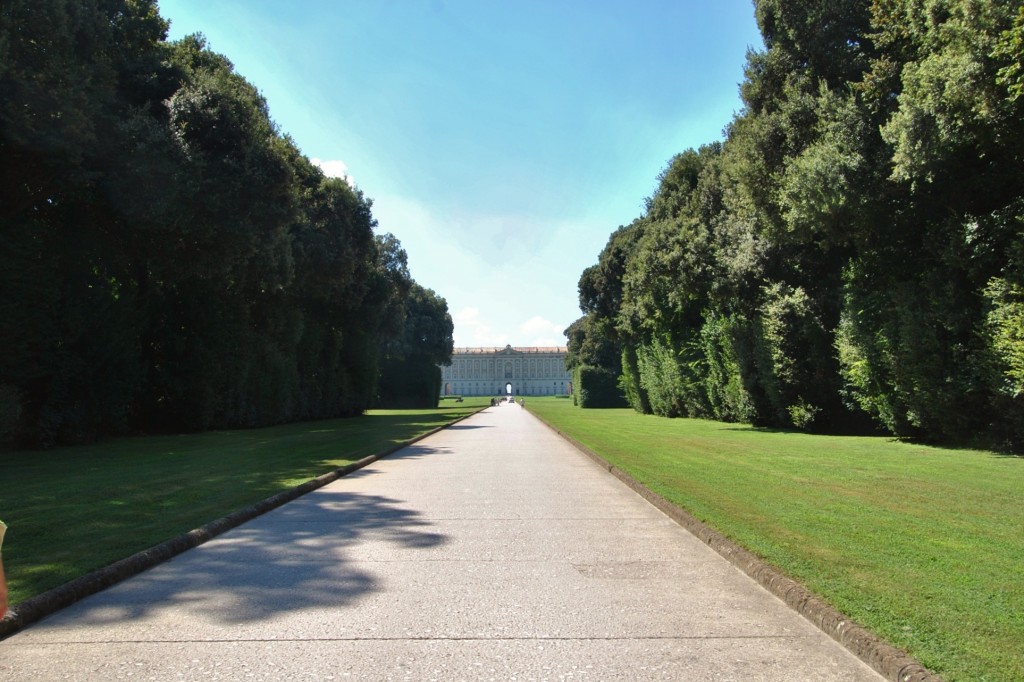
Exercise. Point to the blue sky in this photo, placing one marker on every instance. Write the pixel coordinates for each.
(501, 142)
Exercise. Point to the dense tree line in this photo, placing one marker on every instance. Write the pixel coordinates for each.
(169, 260)
(852, 249)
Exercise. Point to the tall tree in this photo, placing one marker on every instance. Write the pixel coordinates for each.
(410, 376)
(168, 259)
(854, 245)
(69, 82)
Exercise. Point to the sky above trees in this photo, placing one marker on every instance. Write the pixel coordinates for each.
(501, 143)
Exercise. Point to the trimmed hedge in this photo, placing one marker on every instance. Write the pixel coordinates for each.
(409, 384)
(598, 387)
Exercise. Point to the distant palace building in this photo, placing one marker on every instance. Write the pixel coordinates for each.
(507, 371)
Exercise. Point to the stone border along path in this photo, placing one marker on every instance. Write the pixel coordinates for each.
(492, 549)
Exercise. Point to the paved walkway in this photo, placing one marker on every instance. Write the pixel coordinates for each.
(491, 550)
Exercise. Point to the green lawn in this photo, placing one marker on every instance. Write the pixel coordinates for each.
(72, 510)
(922, 545)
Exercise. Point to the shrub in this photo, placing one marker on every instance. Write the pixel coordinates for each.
(598, 387)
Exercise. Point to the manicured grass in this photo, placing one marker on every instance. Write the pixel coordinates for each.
(922, 545)
(72, 510)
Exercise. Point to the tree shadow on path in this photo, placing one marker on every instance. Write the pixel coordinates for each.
(309, 554)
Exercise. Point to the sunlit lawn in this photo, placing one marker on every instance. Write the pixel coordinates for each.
(922, 545)
(72, 510)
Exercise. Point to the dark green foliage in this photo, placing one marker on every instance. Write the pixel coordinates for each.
(410, 376)
(597, 387)
(169, 260)
(720, 341)
(671, 376)
(590, 343)
(629, 381)
(408, 384)
(852, 248)
(71, 325)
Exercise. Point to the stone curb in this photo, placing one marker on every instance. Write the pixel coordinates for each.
(890, 662)
(35, 608)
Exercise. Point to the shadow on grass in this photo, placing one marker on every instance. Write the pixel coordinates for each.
(76, 509)
(838, 432)
(299, 556)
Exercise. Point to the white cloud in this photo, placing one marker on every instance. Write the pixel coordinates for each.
(334, 169)
(471, 331)
(542, 332)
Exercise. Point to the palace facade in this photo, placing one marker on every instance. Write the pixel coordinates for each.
(507, 371)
